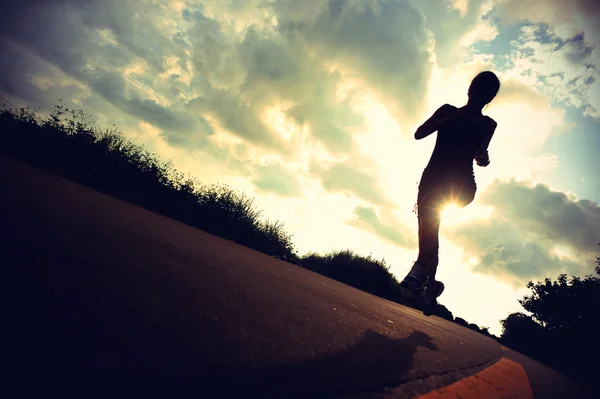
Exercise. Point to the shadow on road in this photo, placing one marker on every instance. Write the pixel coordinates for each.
(372, 364)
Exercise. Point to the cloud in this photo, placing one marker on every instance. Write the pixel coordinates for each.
(113, 87)
(567, 19)
(534, 232)
(69, 36)
(456, 24)
(393, 231)
(236, 117)
(262, 68)
(551, 214)
(187, 67)
(558, 48)
(272, 179)
(513, 90)
(27, 77)
(462, 6)
(343, 178)
(385, 44)
(561, 69)
(213, 49)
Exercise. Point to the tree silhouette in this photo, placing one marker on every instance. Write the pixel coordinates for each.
(521, 332)
(570, 304)
(598, 263)
(563, 324)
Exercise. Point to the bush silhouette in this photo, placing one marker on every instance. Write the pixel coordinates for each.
(105, 160)
(364, 273)
(461, 321)
(444, 313)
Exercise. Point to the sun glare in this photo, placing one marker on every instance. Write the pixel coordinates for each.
(452, 214)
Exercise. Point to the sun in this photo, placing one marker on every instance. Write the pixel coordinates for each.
(473, 261)
(452, 214)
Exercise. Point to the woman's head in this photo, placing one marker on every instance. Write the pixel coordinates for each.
(484, 88)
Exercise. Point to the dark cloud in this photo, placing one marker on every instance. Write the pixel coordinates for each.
(269, 61)
(59, 32)
(18, 68)
(64, 34)
(274, 180)
(578, 16)
(526, 227)
(552, 214)
(575, 49)
(213, 51)
(395, 232)
(507, 251)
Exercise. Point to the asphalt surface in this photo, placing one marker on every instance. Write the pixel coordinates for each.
(104, 295)
(548, 383)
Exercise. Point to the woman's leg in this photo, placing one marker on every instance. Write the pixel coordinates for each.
(462, 193)
(429, 227)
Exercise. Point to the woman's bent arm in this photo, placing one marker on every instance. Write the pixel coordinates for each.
(482, 158)
(439, 118)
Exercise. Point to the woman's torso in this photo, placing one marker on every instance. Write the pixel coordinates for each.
(456, 146)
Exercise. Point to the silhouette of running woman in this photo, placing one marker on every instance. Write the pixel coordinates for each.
(463, 136)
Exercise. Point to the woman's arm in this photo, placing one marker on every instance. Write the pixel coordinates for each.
(443, 115)
(482, 157)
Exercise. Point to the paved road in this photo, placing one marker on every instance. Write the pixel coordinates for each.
(547, 383)
(104, 294)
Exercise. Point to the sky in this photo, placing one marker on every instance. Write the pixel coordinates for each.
(310, 107)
